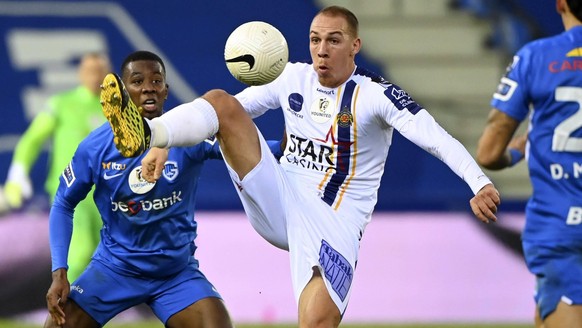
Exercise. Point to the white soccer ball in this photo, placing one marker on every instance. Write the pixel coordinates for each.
(256, 53)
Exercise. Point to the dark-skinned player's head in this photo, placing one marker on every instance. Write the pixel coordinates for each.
(144, 76)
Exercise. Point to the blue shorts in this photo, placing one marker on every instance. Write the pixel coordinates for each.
(558, 271)
(103, 292)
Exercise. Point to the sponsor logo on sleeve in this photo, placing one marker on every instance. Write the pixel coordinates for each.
(69, 175)
(401, 99)
(505, 89)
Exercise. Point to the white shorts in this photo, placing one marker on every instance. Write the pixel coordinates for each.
(293, 217)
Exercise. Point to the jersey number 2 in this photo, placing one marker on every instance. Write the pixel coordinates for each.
(562, 140)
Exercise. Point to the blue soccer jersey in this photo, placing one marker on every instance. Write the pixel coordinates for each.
(544, 83)
(148, 228)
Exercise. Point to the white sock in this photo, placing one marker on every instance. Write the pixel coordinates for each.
(185, 125)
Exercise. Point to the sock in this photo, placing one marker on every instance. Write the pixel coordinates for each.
(185, 125)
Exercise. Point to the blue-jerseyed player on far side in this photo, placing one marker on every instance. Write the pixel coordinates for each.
(146, 254)
(544, 84)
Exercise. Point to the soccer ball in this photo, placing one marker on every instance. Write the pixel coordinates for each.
(256, 53)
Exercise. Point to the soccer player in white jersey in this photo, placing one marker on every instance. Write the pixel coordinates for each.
(544, 85)
(339, 121)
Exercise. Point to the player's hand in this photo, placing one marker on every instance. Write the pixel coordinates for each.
(152, 165)
(13, 194)
(4, 206)
(18, 187)
(57, 296)
(484, 204)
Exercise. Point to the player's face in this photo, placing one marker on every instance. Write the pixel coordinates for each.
(145, 81)
(332, 49)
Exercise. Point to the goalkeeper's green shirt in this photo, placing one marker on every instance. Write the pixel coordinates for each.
(69, 118)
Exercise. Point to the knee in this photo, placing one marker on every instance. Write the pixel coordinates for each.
(228, 109)
(222, 101)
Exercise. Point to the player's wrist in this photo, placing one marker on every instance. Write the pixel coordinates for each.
(514, 156)
(59, 273)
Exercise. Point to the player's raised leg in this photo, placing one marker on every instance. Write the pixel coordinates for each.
(216, 113)
(237, 133)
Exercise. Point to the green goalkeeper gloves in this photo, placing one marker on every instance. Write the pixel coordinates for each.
(18, 187)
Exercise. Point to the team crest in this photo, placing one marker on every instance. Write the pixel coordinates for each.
(170, 170)
(345, 118)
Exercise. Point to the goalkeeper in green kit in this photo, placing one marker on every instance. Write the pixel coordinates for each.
(68, 119)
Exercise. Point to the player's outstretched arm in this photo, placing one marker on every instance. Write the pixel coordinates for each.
(496, 150)
(57, 296)
(153, 164)
(484, 203)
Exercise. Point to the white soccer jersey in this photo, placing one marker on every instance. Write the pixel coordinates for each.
(338, 138)
(318, 202)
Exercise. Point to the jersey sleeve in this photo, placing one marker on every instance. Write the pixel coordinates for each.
(417, 125)
(212, 149)
(425, 132)
(74, 184)
(208, 149)
(511, 95)
(257, 100)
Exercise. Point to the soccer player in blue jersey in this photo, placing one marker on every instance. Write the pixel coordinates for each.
(146, 253)
(544, 85)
